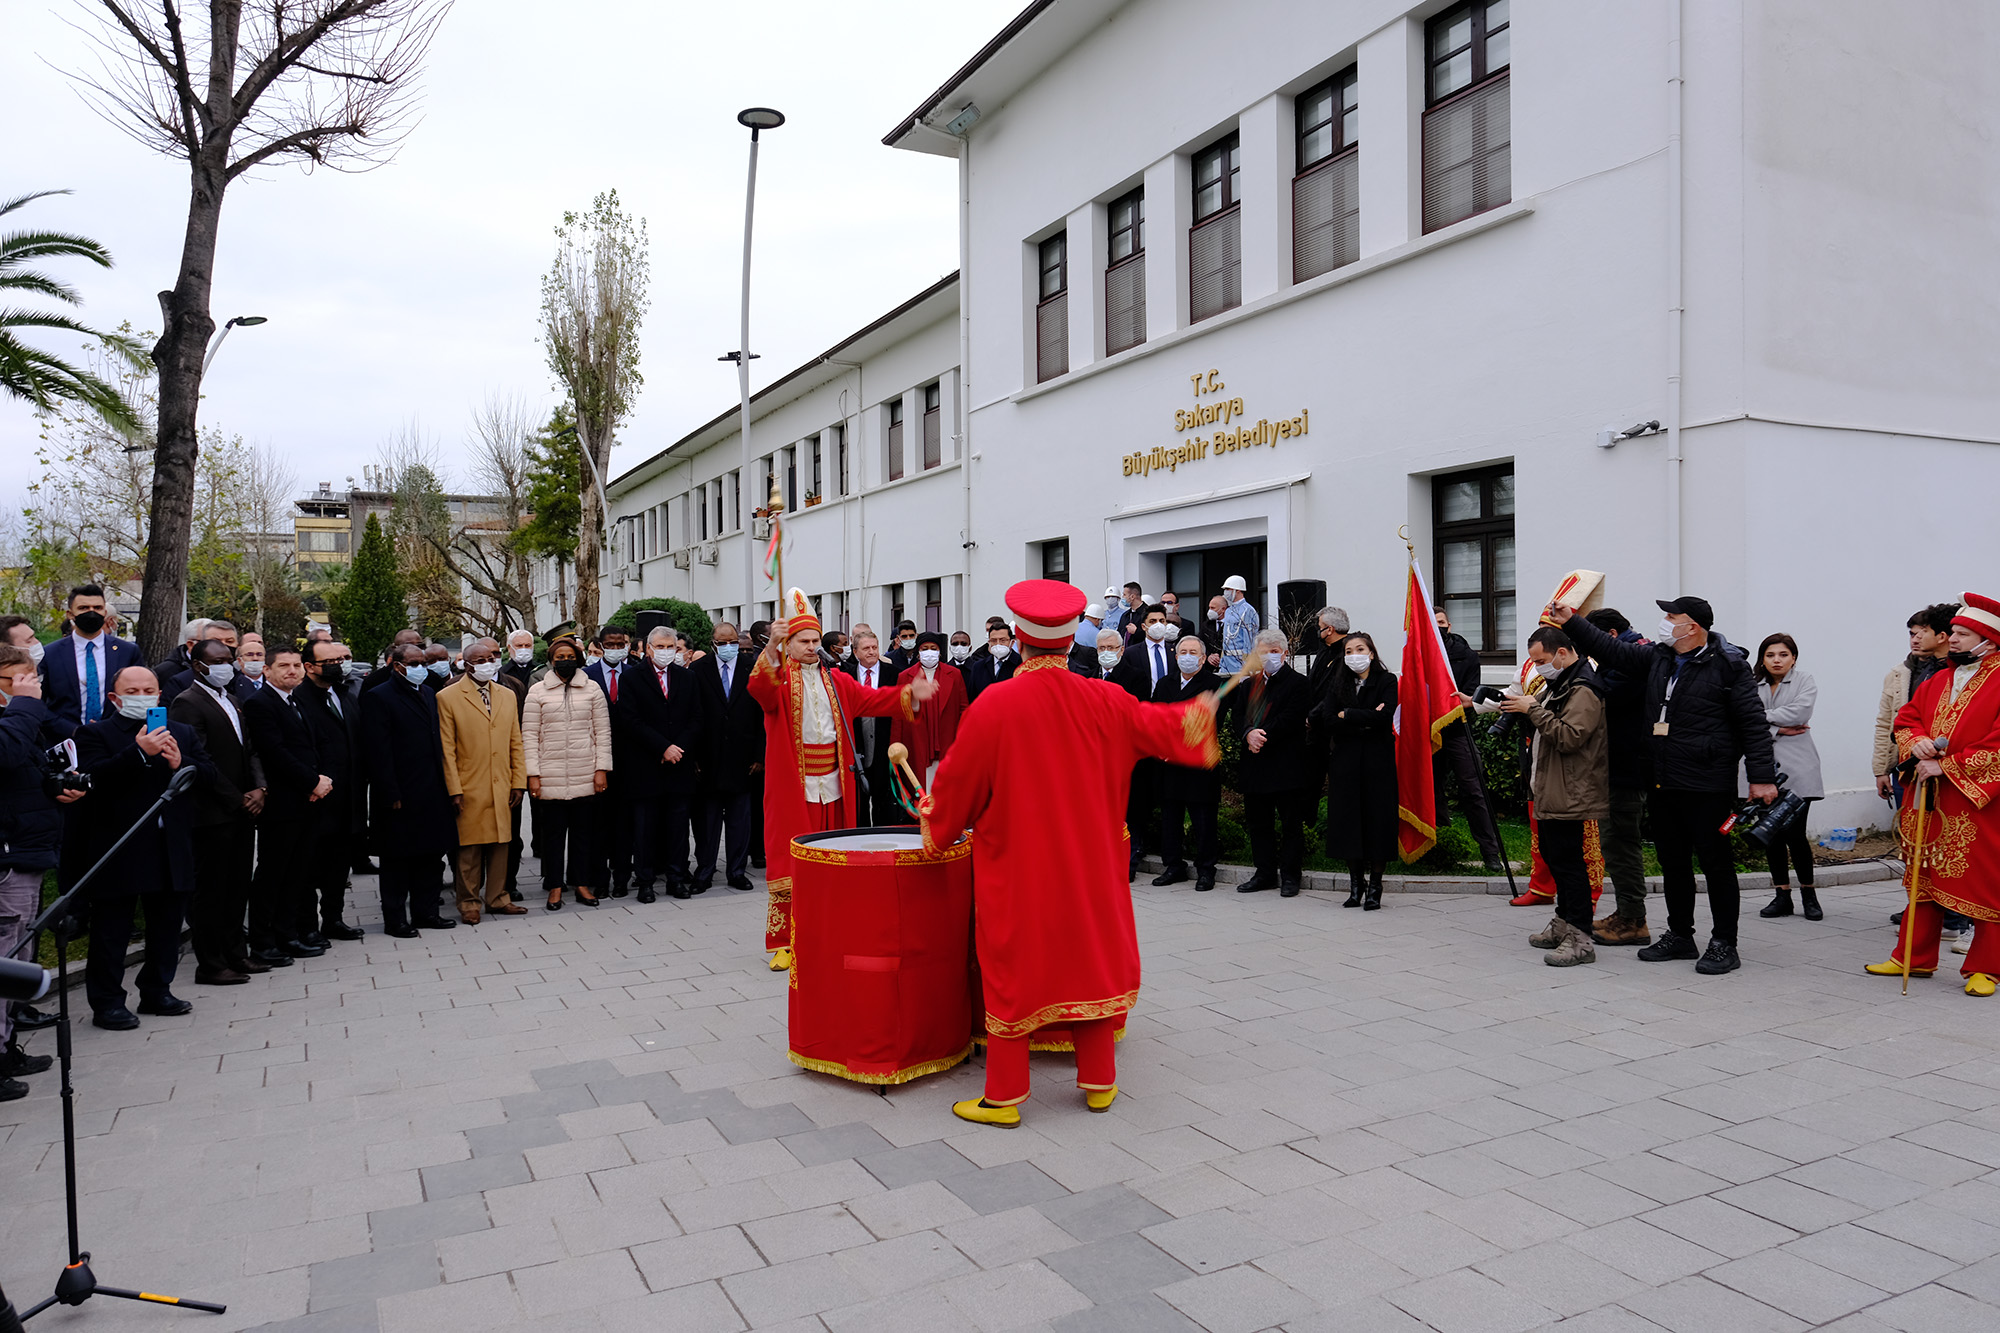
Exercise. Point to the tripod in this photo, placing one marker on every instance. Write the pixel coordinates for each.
(76, 1283)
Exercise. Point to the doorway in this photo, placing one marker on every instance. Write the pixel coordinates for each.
(1197, 575)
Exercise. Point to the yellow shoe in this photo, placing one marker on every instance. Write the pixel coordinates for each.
(1980, 984)
(1895, 969)
(1100, 1099)
(979, 1113)
(781, 961)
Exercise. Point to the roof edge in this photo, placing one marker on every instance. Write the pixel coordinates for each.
(1007, 34)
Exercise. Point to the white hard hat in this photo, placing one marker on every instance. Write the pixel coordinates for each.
(1093, 612)
(1113, 593)
(1235, 581)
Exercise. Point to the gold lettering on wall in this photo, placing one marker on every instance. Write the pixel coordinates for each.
(1227, 418)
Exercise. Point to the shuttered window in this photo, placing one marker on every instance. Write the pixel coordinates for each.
(933, 427)
(1472, 522)
(1125, 277)
(1215, 242)
(895, 439)
(1326, 200)
(1468, 160)
(1052, 309)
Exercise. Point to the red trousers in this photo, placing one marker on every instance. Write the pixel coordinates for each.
(1096, 1061)
(1983, 956)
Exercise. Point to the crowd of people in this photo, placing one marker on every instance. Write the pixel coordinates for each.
(643, 763)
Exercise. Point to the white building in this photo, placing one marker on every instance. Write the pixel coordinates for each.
(1254, 288)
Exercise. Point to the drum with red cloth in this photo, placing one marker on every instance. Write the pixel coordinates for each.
(882, 987)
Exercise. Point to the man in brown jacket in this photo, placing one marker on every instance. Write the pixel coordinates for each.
(1570, 779)
(486, 774)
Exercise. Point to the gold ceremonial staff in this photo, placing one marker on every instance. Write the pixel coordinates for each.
(1916, 873)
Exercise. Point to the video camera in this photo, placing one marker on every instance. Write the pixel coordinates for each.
(1766, 824)
(59, 771)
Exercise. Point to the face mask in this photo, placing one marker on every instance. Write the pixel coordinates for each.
(999, 651)
(663, 657)
(88, 623)
(251, 669)
(565, 667)
(523, 656)
(1107, 659)
(1214, 614)
(136, 706)
(617, 656)
(960, 651)
(1190, 662)
(1958, 657)
(1666, 631)
(1547, 670)
(907, 643)
(929, 657)
(1358, 662)
(1232, 597)
(1158, 633)
(414, 672)
(220, 675)
(35, 651)
(725, 653)
(440, 669)
(349, 667)
(845, 652)
(1273, 663)
(486, 672)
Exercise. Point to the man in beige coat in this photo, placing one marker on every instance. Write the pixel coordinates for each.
(486, 773)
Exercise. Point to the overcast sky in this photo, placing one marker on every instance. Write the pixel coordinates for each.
(410, 293)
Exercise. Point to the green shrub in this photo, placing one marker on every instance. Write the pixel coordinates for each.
(689, 619)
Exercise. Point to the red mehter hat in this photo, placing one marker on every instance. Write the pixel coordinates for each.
(1981, 615)
(1046, 612)
(798, 615)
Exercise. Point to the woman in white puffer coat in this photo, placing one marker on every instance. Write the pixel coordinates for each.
(566, 736)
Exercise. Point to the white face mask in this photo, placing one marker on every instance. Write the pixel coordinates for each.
(136, 706)
(486, 672)
(999, 651)
(1107, 659)
(1547, 670)
(1158, 633)
(617, 656)
(846, 653)
(929, 657)
(350, 667)
(663, 657)
(1667, 631)
(1358, 662)
(1273, 663)
(1190, 662)
(221, 674)
(251, 669)
(524, 655)
(960, 651)
(907, 643)
(1214, 614)
(35, 651)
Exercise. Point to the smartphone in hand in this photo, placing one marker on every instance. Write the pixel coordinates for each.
(156, 719)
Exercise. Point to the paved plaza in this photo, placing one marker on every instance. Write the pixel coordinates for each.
(1330, 1120)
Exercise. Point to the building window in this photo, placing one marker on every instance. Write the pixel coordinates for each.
(895, 439)
(1052, 309)
(840, 457)
(933, 427)
(736, 500)
(1467, 136)
(717, 493)
(701, 507)
(1472, 515)
(895, 617)
(1326, 197)
(1125, 273)
(1215, 242)
(812, 468)
(792, 481)
(649, 545)
(322, 539)
(1055, 559)
(934, 605)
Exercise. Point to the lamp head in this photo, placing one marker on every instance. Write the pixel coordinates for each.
(247, 321)
(760, 118)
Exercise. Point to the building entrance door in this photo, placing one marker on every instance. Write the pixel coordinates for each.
(1196, 575)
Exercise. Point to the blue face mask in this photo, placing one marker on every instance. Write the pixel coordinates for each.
(414, 673)
(725, 653)
(440, 669)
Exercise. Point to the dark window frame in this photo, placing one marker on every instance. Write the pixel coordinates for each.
(1135, 228)
(1486, 529)
(1338, 86)
(895, 414)
(1227, 152)
(1477, 43)
(1055, 569)
(933, 426)
(840, 456)
(1060, 267)
(1052, 307)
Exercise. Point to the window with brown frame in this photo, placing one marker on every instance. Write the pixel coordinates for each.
(840, 457)
(1052, 308)
(1055, 559)
(1215, 241)
(933, 427)
(1125, 272)
(934, 605)
(895, 406)
(1472, 524)
(813, 468)
(1326, 195)
(1468, 157)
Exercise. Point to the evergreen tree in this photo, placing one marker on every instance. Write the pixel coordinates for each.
(370, 606)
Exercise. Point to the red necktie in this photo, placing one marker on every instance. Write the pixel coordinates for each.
(612, 677)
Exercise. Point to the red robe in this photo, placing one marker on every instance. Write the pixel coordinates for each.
(1040, 774)
(787, 812)
(931, 732)
(1961, 852)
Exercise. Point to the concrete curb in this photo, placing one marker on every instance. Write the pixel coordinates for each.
(1854, 872)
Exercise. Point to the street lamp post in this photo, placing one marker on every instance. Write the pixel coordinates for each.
(756, 118)
(247, 321)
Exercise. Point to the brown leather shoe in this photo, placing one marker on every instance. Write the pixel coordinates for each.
(248, 966)
(221, 976)
(1620, 929)
(469, 915)
(508, 909)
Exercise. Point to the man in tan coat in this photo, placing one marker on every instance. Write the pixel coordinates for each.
(485, 772)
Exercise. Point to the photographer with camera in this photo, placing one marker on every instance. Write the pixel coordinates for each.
(32, 794)
(1705, 718)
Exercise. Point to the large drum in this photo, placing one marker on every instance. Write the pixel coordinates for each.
(882, 985)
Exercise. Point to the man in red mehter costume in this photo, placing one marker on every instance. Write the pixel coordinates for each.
(809, 750)
(1039, 773)
(1951, 727)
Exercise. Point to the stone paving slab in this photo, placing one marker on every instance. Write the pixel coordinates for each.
(1329, 1120)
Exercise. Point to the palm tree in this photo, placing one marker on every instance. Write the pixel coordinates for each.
(34, 375)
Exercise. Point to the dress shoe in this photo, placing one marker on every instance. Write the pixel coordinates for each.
(620, 890)
(27, 1018)
(340, 930)
(742, 884)
(1100, 1099)
(221, 976)
(1719, 958)
(401, 932)
(702, 883)
(1177, 873)
(681, 891)
(469, 915)
(980, 1112)
(509, 909)
(1288, 888)
(166, 1006)
(435, 923)
(120, 1019)
(1668, 948)
(1780, 904)
(1204, 882)
(513, 894)
(646, 894)
(247, 965)
(300, 949)
(756, 862)
(272, 957)
(12, 1090)
(1809, 903)
(17, 1063)
(1257, 883)
(586, 897)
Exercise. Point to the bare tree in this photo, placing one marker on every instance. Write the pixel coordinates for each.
(593, 302)
(269, 486)
(501, 429)
(229, 87)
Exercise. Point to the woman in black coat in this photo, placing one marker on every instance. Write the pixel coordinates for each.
(1357, 715)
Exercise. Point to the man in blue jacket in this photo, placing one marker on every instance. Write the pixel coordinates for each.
(78, 668)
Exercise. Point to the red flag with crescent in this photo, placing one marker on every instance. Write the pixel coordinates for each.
(1426, 703)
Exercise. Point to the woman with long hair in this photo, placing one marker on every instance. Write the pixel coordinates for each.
(566, 739)
(1358, 717)
(1788, 695)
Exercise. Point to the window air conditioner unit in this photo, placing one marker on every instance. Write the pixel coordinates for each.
(683, 558)
(760, 529)
(710, 553)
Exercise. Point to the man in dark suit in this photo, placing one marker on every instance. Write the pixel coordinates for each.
(1147, 660)
(1098, 664)
(130, 767)
(284, 897)
(902, 654)
(871, 734)
(732, 759)
(663, 712)
(993, 664)
(77, 669)
(1189, 797)
(226, 804)
(411, 821)
(388, 674)
(611, 813)
(333, 714)
(172, 686)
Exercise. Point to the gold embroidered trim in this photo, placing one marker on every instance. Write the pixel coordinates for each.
(1972, 772)
(778, 908)
(839, 1070)
(1051, 662)
(1063, 1011)
(1947, 846)
(1962, 906)
(1950, 709)
(805, 851)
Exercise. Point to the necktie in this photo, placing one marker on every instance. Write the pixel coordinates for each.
(611, 675)
(333, 698)
(1159, 664)
(93, 687)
